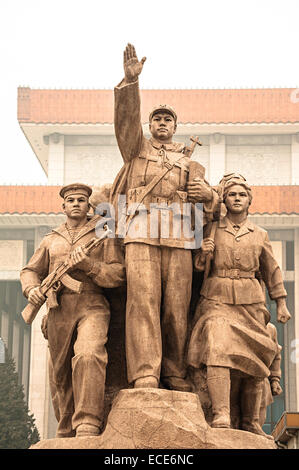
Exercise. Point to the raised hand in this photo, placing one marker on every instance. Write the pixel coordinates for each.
(132, 66)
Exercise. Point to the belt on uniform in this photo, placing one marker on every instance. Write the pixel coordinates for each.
(233, 273)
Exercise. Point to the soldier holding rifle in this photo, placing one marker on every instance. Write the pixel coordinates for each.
(159, 269)
(77, 327)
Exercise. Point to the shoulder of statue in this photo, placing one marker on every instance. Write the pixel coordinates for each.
(52, 232)
(180, 147)
(92, 220)
(258, 229)
(47, 239)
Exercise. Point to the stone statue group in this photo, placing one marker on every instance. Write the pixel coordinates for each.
(227, 350)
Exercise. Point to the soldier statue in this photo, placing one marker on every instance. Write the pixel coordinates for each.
(77, 328)
(158, 269)
(230, 339)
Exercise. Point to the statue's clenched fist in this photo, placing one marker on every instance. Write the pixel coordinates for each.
(276, 388)
(283, 314)
(207, 246)
(35, 296)
(199, 191)
(80, 260)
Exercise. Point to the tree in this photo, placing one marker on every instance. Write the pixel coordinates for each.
(17, 428)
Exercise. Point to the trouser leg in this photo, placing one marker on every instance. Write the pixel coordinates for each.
(218, 381)
(235, 398)
(143, 331)
(251, 404)
(53, 389)
(177, 283)
(62, 400)
(60, 327)
(63, 405)
(89, 368)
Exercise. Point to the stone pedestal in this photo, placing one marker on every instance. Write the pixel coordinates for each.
(159, 419)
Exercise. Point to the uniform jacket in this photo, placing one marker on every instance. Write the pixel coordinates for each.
(144, 159)
(248, 250)
(54, 249)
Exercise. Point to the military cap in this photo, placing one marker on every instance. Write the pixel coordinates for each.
(233, 179)
(75, 188)
(230, 176)
(163, 108)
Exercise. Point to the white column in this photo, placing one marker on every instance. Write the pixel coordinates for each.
(295, 158)
(217, 158)
(56, 159)
(295, 352)
(38, 361)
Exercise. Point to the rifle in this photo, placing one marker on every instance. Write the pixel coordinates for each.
(210, 255)
(52, 283)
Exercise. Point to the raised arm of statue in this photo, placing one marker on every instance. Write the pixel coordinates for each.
(127, 117)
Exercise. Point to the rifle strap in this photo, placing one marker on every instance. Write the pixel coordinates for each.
(151, 186)
(213, 230)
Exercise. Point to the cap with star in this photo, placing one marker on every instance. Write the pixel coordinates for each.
(163, 108)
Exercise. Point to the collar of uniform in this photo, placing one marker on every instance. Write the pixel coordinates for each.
(62, 230)
(90, 225)
(172, 147)
(246, 226)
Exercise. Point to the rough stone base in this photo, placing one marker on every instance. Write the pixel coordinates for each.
(159, 419)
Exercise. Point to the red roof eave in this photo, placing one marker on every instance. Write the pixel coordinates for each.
(272, 200)
(195, 106)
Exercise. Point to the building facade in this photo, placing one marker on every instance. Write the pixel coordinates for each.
(253, 132)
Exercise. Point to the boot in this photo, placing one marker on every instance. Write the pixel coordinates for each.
(218, 381)
(177, 383)
(146, 382)
(250, 404)
(85, 429)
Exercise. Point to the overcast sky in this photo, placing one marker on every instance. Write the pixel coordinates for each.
(188, 44)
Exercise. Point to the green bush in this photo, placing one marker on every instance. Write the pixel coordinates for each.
(17, 428)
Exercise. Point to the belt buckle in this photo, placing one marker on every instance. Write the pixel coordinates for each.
(235, 274)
